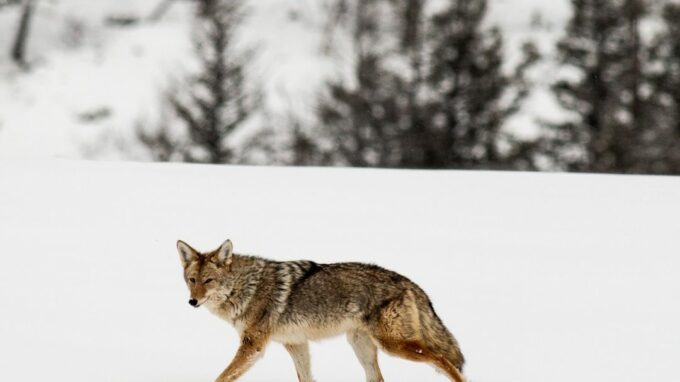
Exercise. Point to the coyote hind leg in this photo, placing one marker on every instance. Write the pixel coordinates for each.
(300, 355)
(367, 353)
(407, 327)
(416, 351)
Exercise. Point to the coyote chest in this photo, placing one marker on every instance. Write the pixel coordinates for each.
(222, 310)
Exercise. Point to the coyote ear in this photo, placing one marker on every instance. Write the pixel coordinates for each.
(226, 253)
(186, 254)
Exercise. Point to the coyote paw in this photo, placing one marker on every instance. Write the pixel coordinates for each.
(226, 379)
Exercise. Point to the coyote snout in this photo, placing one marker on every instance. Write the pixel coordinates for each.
(292, 302)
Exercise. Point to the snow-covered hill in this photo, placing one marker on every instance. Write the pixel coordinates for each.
(541, 277)
(92, 82)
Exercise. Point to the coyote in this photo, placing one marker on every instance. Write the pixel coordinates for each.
(292, 302)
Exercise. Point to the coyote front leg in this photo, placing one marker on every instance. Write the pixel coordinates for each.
(252, 346)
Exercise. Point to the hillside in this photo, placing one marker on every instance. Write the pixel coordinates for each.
(91, 82)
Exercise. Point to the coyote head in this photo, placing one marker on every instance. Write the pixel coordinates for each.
(206, 274)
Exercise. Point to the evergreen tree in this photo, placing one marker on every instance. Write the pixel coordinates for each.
(412, 128)
(663, 152)
(428, 91)
(360, 118)
(216, 101)
(468, 87)
(603, 51)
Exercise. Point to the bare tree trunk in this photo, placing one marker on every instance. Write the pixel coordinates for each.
(21, 39)
(630, 158)
(161, 9)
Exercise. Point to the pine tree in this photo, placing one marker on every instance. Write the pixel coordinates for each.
(216, 101)
(663, 152)
(361, 118)
(603, 51)
(413, 123)
(428, 90)
(468, 84)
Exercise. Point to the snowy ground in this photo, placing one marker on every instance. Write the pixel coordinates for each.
(541, 277)
(85, 94)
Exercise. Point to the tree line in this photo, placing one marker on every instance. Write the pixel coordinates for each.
(625, 98)
(429, 86)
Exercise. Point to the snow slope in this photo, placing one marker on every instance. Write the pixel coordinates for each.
(120, 74)
(541, 277)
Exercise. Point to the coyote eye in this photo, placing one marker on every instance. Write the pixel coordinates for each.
(207, 281)
(193, 280)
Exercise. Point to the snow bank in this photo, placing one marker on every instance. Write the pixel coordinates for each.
(541, 277)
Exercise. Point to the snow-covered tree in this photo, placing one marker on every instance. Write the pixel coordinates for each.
(216, 101)
(427, 91)
(471, 96)
(360, 118)
(606, 59)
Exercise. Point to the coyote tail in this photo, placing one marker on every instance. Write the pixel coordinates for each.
(436, 335)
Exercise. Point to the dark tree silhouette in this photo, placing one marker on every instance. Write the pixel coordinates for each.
(663, 152)
(468, 86)
(426, 92)
(605, 90)
(23, 29)
(361, 118)
(216, 101)
(413, 125)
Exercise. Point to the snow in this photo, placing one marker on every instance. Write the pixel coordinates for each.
(541, 277)
(121, 73)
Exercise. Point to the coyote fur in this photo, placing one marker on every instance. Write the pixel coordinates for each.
(292, 302)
